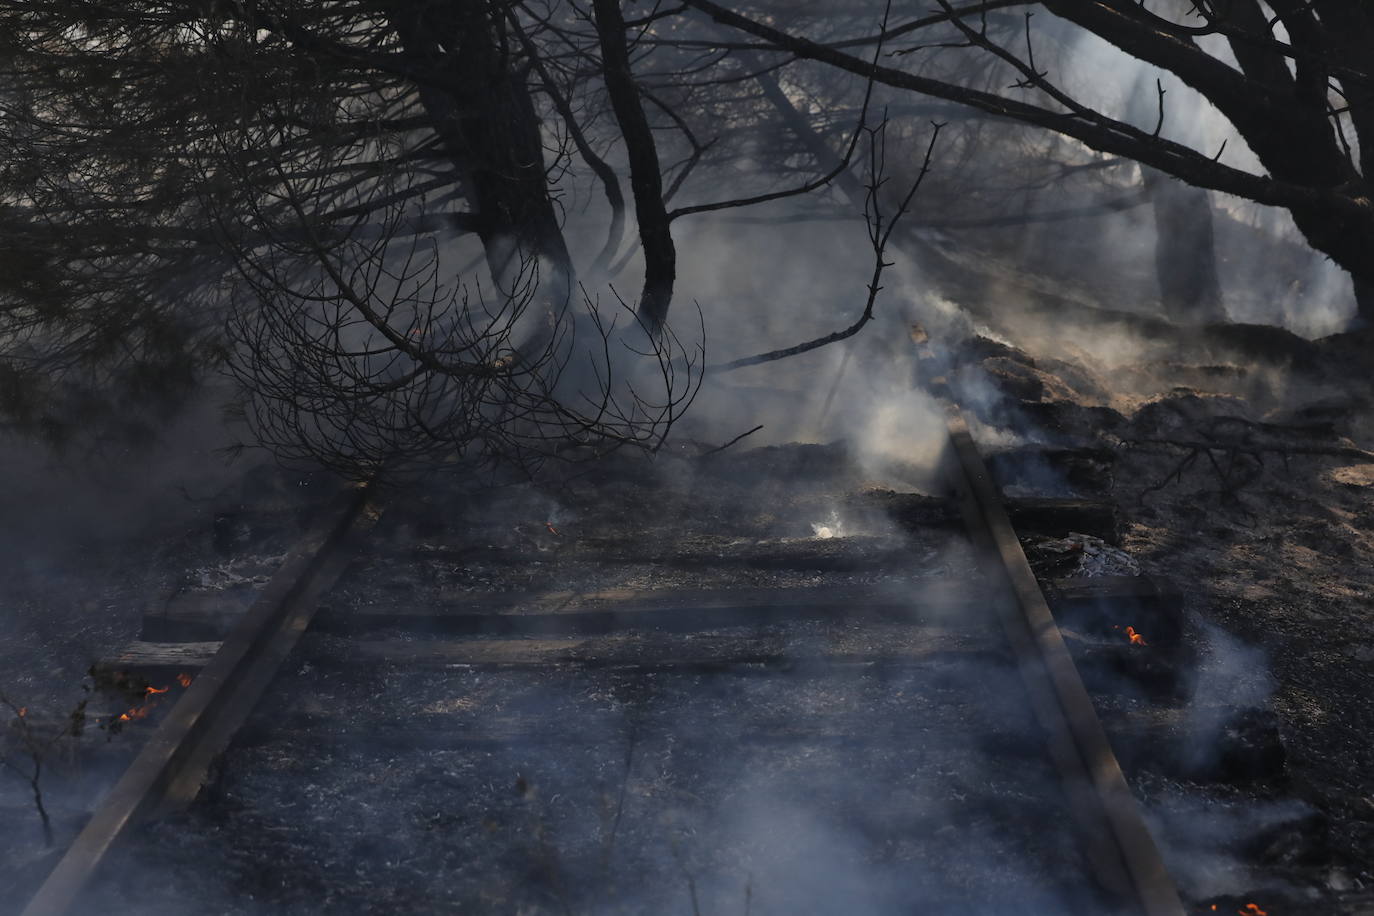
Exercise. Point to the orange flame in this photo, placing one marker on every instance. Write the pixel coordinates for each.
(138, 712)
(1252, 909)
(1136, 638)
(141, 711)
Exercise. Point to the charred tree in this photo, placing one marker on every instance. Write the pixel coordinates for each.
(291, 188)
(470, 76)
(1185, 256)
(646, 179)
(1299, 96)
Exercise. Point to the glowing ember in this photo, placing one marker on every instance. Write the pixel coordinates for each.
(1252, 909)
(1136, 638)
(549, 525)
(149, 693)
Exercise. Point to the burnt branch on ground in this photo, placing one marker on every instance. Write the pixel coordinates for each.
(1235, 449)
(34, 747)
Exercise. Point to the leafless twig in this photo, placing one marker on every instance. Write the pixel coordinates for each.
(879, 233)
(721, 448)
(36, 749)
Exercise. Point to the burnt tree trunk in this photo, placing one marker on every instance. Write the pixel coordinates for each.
(1284, 116)
(1185, 256)
(1349, 241)
(476, 96)
(646, 179)
(1282, 113)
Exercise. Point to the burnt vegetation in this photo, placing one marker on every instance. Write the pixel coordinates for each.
(401, 226)
(520, 245)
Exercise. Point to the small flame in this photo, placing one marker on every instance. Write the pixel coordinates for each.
(138, 712)
(141, 711)
(549, 525)
(1136, 638)
(1252, 909)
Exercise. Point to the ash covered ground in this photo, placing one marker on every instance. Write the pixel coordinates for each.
(836, 764)
(90, 548)
(1236, 455)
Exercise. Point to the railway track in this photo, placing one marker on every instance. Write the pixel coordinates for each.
(699, 731)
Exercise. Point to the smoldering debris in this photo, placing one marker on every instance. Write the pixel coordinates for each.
(1252, 526)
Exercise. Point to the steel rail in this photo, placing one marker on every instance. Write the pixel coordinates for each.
(168, 771)
(1120, 848)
